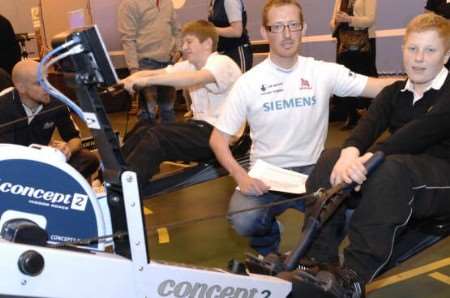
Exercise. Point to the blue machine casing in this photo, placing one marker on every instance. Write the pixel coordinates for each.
(37, 185)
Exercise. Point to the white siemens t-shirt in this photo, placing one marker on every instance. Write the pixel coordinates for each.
(287, 110)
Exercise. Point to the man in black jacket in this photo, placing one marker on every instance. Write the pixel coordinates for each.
(30, 116)
(413, 181)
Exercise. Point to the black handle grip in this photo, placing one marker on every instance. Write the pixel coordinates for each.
(114, 90)
(314, 224)
(376, 159)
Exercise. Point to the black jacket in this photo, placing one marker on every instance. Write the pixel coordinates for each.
(14, 127)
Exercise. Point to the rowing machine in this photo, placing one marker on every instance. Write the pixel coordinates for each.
(34, 267)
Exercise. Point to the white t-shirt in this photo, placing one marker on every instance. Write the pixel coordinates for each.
(287, 110)
(207, 100)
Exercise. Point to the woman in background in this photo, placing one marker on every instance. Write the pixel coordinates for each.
(359, 15)
(442, 8)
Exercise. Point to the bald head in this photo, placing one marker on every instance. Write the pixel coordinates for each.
(24, 76)
(25, 71)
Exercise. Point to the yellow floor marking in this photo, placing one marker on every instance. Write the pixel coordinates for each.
(147, 211)
(441, 277)
(163, 236)
(377, 284)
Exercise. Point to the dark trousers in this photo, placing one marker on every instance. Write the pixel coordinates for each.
(394, 194)
(85, 162)
(156, 97)
(147, 146)
(242, 55)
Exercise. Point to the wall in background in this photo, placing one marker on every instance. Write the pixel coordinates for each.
(18, 13)
(391, 15)
(55, 14)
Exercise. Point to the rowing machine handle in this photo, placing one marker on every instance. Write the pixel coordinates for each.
(376, 159)
(313, 224)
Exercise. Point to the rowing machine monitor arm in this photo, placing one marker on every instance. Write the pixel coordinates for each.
(91, 68)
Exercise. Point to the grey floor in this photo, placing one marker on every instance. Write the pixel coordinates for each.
(212, 242)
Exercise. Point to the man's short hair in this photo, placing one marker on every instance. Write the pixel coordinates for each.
(430, 21)
(202, 30)
(276, 3)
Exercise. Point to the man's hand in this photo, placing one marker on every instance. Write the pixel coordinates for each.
(350, 167)
(63, 147)
(251, 186)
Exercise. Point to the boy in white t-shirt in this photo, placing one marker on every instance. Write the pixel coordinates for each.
(208, 76)
(285, 100)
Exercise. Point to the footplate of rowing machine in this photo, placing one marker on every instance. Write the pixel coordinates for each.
(272, 264)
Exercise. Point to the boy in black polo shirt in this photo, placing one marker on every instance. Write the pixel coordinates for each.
(417, 114)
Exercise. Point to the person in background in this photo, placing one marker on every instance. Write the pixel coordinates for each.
(285, 101)
(442, 8)
(208, 77)
(9, 46)
(359, 15)
(148, 31)
(411, 183)
(230, 19)
(30, 116)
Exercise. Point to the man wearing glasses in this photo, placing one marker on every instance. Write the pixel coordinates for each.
(285, 100)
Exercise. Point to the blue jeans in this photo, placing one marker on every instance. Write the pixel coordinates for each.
(162, 96)
(260, 225)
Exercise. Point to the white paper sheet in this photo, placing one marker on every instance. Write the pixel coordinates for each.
(277, 178)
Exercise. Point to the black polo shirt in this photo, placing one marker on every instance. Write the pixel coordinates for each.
(420, 128)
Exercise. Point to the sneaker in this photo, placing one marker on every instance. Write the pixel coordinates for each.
(337, 282)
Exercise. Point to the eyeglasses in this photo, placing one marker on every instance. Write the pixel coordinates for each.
(278, 28)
